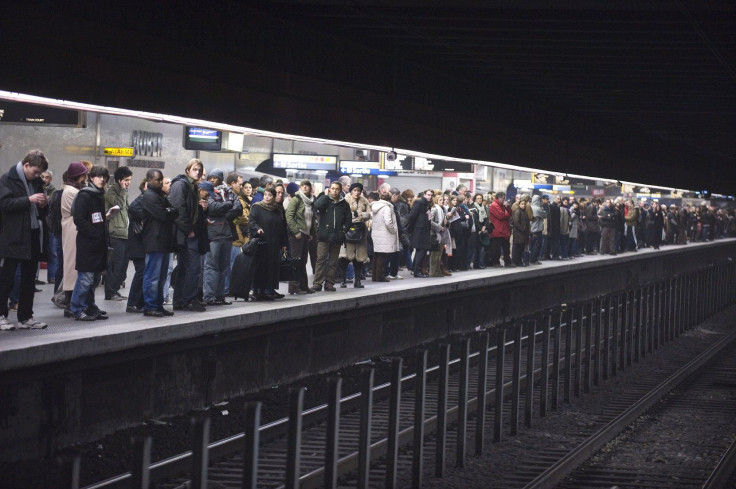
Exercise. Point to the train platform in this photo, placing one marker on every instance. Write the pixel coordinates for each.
(66, 339)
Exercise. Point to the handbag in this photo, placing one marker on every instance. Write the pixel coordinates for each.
(251, 247)
(355, 233)
(288, 269)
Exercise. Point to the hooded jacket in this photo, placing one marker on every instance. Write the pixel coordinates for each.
(500, 215)
(384, 227)
(537, 224)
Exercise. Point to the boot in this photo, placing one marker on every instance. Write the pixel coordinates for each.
(358, 274)
(342, 271)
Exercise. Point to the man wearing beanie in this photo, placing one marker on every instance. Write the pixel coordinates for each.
(22, 207)
(117, 261)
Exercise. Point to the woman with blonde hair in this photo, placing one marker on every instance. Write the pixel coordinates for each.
(437, 229)
(356, 251)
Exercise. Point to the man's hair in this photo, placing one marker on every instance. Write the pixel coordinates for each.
(192, 163)
(385, 186)
(99, 171)
(35, 157)
(462, 185)
(374, 196)
(232, 177)
(500, 195)
(305, 182)
(122, 172)
(49, 172)
(265, 180)
(336, 182)
(344, 180)
(153, 173)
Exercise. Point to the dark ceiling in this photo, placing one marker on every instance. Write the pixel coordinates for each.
(639, 90)
(665, 69)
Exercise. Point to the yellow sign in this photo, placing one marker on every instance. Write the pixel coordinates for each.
(129, 152)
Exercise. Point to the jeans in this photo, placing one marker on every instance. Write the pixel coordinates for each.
(564, 246)
(154, 276)
(167, 283)
(83, 296)
(117, 266)
(535, 246)
(476, 252)
(573, 247)
(407, 257)
(188, 272)
(52, 262)
(233, 255)
(59, 277)
(216, 268)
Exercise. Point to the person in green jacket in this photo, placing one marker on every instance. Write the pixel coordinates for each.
(116, 197)
(301, 223)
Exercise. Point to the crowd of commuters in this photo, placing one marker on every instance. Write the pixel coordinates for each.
(90, 229)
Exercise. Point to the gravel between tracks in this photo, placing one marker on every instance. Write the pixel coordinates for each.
(501, 460)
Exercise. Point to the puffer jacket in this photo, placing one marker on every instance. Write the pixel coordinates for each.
(334, 219)
(384, 228)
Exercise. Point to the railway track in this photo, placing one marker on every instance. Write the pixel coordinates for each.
(370, 442)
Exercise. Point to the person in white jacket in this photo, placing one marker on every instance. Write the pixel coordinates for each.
(385, 234)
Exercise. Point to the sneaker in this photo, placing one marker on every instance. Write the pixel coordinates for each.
(83, 316)
(6, 325)
(13, 306)
(115, 297)
(167, 301)
(31, 323)
(393, 277)
(166, 312)
(134, 309)
(194, 306)
(153, 314)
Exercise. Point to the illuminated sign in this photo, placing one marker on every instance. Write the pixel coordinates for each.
(305, 162)
(359, 167)
(127, 152)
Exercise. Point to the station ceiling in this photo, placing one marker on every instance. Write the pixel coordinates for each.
(665, 69)
(643, 89)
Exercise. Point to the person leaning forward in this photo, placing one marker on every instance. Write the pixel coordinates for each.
(334, 220)
(22, 210)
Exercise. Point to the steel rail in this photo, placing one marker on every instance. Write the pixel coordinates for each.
(723, 470)
(554, 474)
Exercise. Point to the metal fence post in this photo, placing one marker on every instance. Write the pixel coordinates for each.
(442, 388)
(364, 438)
(498, 408)
(480, 411)
(530, 347)
(294, 445)
(392, 455)
(544, 377)
(200, 452)
(420, 388)
(516, 379)
(333, 431)
(139, 471)
(462, 402)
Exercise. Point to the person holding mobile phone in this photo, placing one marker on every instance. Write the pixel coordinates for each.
(116, 206)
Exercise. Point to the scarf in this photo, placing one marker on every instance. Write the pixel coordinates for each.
(482, 212)
(273, 206)
(33, 209)
(308, 211)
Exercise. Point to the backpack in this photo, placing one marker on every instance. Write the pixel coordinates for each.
(53, 218)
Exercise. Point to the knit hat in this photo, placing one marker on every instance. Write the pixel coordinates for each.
(216, 172)
(356, 185)
(208, 187)
(292, 188)
(545, 196)
(76, 169)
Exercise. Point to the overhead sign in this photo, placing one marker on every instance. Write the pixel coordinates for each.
(22, 113)
(359, 167)
(305, 162)
(125, 152)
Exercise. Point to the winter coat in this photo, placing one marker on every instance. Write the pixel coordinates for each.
(69, 236)
(118, 223)
(436, 220)
(158, 219)
(500, 215)
(574, 223)
(564, 221)
(607, 217)
(537, 224)
(418, 224)
(384, 227)
(221, 211)
(15, 216)
(334, 219)
(590, 219)
(522, 226)
(92, 235)
(184, 196)
(295, 220)
(554, 220)
(134, 247)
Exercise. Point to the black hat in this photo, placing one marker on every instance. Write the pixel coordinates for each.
(356, 185)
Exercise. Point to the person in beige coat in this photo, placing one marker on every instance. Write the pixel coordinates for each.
(76, 176)
(356, 252)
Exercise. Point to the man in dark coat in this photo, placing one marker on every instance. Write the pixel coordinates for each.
(553, 232)
(22, 208)
(158, 216)
(190, 234)
(420, 231)
(607, 219)
(89, 216)
(334, 220)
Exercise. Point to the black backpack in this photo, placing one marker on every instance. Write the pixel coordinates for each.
(53, 218)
